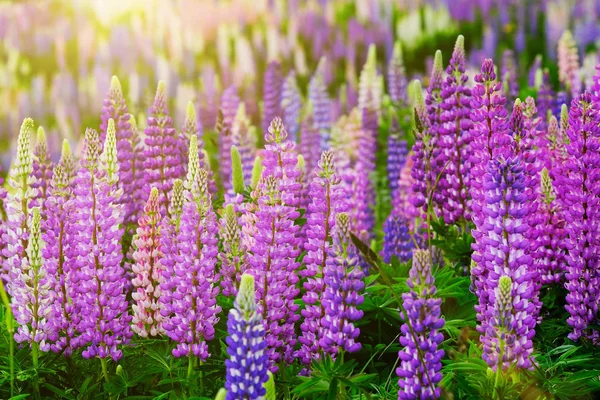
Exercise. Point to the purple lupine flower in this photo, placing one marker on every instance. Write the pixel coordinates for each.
(58, 208)
(327, 199)
(433, 102)
(549, 225)
(343, 282)
(397, 240)
(20, 179)
(273, 263)
(191, 312)
(33, 293)
(233, 256)
(579, 196)
(271, 94)
(396, 159)
(42, 167)
(309, 146)
(501, 230)
(420, 359)
(162, 154)
(280, 161)
(148, 271)
(291, 105)
(137, 171)
(396, 75)
(247, 366)
(489, 132)
(97, 278)
(230, 102)
(545, 96)
(115, 108)
(509, 76)
(321, 105)
(568, 65)
(243, 136)
(533, 70)
(455, 135)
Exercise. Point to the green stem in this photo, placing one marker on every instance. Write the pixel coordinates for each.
(11, 333)
(104, 368)
(286, 389)
(190, 366)
(201, 378)
(35, 357)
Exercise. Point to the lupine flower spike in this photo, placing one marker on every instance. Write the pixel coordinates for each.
(42, 167)
(247, 371)
(420, 359)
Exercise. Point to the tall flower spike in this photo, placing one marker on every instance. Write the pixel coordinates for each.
(33, 294)
(42, 167)
(370, 86)
(343, 282)
(546, 97)
(237, 173)
(233, 256)
(420, 359)
(271, 94)
(148, 270)
(108, 157)
(191, 314)
(327, 199)
(162, 155)
(509, 75)
(20, 180)
(397, 154)
(243, 136)
(489, 132)
(568, 64)
(433, 102)
(397, 76)
(321, 105)
(397, 240)
(273, 263)
(137, 171)
(55, 228)
(115, 108)
(247, 366)
(455, 135)
(190, 128)
(100, 302)
(291, 105)
(579, 196)
(230, 102)
(506, 211)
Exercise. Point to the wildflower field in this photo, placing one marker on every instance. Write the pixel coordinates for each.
(270, 199)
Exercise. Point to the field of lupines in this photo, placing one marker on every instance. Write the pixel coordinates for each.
(300, 200)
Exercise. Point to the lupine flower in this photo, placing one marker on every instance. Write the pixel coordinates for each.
(396, 159)
(148, 270)
(550, 234)
(162, 154)
(291, 105)
(533, 70)
(271, 94)
(57, 210)
(273, 262)
(545, 96)
(243, 137)
(420, 359)
(489, 132)
(33, 293)
(327, 199)
(579, 196)
(568, 64)
(342, 278)
(233, 256)
(455, 135)
(247, 366)
(310, 140)
(321, 105)
(115, 108)
(229, 107)
(281, 162)
(509, 76)
(95, 232)
(370, 86)
(396, 75)
(397, 240)
(137, 170)
(503, 235)
(191, 311)
(20, 179)
(42, 167)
